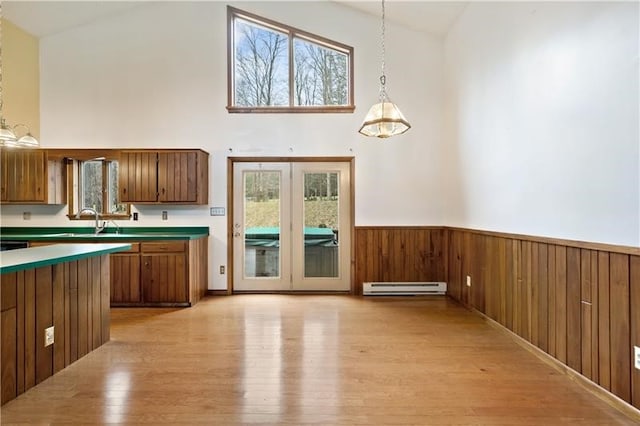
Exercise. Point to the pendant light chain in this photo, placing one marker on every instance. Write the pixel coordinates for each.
(383, 77)
(384, 118)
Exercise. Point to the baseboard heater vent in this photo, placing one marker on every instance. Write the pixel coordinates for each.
(404, 288)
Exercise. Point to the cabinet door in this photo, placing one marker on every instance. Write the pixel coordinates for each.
(125, 278)
(138, 176)
(23, 176)
(177, 177)
(164, 278)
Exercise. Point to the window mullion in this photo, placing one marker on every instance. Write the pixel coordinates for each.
(291, 71)
(104, 189)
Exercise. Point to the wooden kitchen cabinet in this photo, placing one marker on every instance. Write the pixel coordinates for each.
(171, 176)
(164, 272)
(29, 177)
(125, 276)
(137, 175)
(157, 273)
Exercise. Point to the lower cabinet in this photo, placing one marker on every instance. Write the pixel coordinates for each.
(160, 273)
(125, 276)
(164, 272)
(157, 273)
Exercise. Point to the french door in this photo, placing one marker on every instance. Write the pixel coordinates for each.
(291, 226)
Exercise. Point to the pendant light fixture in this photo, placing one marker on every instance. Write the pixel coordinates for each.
(8, 136)
(384, 119)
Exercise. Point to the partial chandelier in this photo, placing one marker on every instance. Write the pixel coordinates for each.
(8, 135)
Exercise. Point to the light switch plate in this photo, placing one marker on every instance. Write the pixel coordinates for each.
(216, 211)
(636, 357)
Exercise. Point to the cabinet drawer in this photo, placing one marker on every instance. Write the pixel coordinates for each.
(164, 247)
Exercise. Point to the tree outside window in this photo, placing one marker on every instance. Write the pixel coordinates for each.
(98, 187)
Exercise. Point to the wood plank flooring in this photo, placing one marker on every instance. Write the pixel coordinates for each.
(284, 359)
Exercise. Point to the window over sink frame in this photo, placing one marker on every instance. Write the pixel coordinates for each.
(103, 167)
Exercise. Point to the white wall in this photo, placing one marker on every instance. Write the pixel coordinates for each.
(156, 76)
(542, 120)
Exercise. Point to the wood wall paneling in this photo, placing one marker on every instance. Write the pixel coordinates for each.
(604, 309)
(574, 320)
(634, 284)
(36, 299)
(620, 333)
(577, 302)
(398, 254)
(542, 268)
(30, 328)
(43, 320)
(8, 338)
(58, 300)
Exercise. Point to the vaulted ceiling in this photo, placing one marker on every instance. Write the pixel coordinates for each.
(42, 18)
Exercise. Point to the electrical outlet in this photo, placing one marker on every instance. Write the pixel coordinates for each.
(165, 215)
(468, 280)
(135, 215)
(636, 357)
(222, 269)
(26, 215)
(216, 211)
(48, 336)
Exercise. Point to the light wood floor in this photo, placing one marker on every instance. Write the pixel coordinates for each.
(282, 359)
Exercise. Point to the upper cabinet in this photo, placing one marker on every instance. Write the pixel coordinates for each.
(172, 176)
(29, 177)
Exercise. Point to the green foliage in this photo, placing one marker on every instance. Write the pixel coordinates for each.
(316, 212)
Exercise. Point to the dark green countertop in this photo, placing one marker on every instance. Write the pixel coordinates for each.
(37, 257)
(109, 234)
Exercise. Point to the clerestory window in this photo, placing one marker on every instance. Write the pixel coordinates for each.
(273, 67)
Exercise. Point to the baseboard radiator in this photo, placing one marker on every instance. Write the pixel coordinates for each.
(404, 288)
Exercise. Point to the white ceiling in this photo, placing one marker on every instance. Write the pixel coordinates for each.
(42, 18)
(433, 17)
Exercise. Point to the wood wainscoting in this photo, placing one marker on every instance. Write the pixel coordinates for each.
(399, 254)
(73, 297)
(578, 302)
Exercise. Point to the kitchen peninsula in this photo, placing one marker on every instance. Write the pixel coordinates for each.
(54, 310)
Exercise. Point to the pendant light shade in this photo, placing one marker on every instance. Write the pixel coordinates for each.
(6, 134)
(384, 119)
(28, 141)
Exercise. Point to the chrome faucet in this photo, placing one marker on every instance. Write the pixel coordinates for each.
(114, 224)
(98, 228)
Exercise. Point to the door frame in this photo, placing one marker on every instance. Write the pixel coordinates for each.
(230, 211)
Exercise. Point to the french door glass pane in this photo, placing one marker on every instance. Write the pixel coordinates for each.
(321, 199)
(262, 224)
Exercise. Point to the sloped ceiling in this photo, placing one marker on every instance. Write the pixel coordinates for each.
(42, 18)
